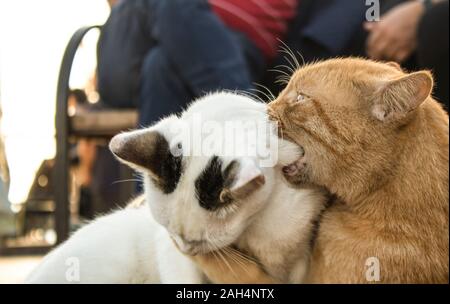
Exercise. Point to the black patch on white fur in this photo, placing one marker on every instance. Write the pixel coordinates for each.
(167, 167)
(212, 181)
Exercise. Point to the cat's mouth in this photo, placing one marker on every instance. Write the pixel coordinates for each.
(192, 248)
(292, 169)
(296, 167)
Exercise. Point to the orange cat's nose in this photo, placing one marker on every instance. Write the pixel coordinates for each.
(275, 117)
(276, 107)
(273, 114)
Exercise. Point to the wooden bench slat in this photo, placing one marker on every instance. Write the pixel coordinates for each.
(103, 122)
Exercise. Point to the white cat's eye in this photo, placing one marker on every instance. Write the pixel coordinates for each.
(302, 97)
(177, 150)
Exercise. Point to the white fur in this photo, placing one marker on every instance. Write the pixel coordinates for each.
(135, 245)
(126, 246)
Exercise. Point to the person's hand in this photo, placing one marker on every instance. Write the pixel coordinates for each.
(87, 152)
(394, 37)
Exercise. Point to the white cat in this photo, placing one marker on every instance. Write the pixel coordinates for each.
(207, 189)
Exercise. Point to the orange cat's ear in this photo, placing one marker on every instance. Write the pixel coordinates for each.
(396, 98)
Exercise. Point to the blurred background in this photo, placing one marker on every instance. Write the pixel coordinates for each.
(73, 73)
(33, 36)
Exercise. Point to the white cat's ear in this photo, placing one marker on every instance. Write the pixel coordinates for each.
(397, 98)
(149, 150)
(243, 177)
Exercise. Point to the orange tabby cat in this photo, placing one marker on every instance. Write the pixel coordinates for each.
(375, 138)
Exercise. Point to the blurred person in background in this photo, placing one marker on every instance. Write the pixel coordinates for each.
(94, 169)
(413, 33)
(322, 29)
(158, 55)
(84, 155)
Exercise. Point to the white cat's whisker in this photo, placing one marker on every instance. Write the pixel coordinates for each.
(238, 258)
(216, 257)
(220, 252)
(227, 263)
(236, 261)
(243, 255)
(126, 181)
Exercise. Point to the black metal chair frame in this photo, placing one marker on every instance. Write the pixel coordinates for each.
(63, 131)
(61, 169)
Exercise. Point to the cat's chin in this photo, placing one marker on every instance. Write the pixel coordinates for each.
(205, 248)
(196, 251)
(199, 249)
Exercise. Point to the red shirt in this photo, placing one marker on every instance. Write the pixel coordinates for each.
(265, 22)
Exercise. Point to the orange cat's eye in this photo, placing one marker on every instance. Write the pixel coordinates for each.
(302, 97)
